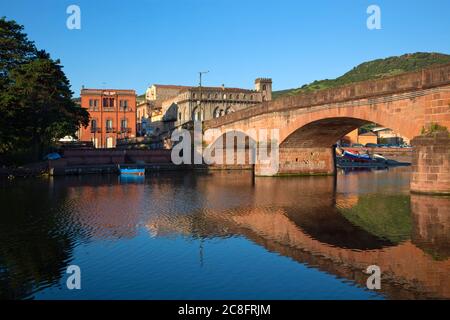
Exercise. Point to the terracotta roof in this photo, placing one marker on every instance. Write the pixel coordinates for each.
(130, 91)
(171, 86)
(220, 89)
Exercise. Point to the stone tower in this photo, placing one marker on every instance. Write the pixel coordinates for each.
(264, 85)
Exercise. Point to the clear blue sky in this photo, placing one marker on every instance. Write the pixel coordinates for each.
(131, 44)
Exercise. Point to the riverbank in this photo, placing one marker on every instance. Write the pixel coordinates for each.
(114, 168)
(107, 161)
(29, 170)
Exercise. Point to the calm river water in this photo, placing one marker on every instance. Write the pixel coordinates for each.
(222, 235)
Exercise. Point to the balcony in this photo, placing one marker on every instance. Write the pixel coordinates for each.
(96, 130)
(125, 109)
(110, 130)
(125, 130)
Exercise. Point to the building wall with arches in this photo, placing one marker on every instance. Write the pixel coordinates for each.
(205, 103)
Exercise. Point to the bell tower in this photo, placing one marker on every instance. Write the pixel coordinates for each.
(264, 85)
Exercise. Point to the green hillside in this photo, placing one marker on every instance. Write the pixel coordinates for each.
(373, 70)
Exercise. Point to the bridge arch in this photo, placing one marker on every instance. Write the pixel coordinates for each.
(240, 145)
(322, 133)
(338, 121)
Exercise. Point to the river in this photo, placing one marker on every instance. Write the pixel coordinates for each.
(223, 235)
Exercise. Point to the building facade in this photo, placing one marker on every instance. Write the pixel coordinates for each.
(378, 135)
(149, 111)
(388, 136)
(143, 112)
(169, 106)
(204, 103)
(112, 116)
(160, 92)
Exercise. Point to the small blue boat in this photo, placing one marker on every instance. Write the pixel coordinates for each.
(132, 171)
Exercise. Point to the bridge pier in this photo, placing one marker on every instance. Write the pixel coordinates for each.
(306, 161)
(431, 164)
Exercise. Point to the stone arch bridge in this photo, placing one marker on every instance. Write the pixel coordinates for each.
(310, 124)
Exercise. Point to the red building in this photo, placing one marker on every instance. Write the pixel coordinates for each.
(112, 116)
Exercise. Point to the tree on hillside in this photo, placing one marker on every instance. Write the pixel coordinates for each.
(36, 106)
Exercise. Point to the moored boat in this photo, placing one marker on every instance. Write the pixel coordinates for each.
(132, 171)
(357, 157)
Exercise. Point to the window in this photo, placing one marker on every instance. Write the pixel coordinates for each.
(105, 102)
(93, 104)
(179, 116)
(123, 104)
(94, 126)
(95, 142)
(109, 124)
(216, 113)
(196, 115)
(193, 95)
(109, 142)
(123, 124)
(264, 87)
(111, 102)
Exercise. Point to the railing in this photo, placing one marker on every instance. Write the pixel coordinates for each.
(125, 130)
(125, 109)
(96, 130)
(110, 129)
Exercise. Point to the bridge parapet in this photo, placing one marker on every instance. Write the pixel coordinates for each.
(406, 82)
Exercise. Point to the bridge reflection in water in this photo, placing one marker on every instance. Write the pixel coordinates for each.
(336, 231)
(337, 226)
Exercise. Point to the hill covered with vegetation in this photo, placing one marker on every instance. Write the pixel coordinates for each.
(373, 70)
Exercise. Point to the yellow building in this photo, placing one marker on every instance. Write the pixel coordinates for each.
(364, 138)
(368, 137)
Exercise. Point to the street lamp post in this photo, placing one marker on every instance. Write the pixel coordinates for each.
(202, 116)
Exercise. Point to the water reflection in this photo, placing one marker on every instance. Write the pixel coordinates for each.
(35, 246)
(131, 179)
(335, 228)
(431, 221)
